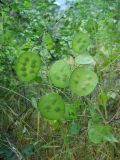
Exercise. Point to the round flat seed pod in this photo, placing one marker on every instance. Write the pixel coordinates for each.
(28, 66)
(83, 81)
(80, 42)
(59, 74)
(47, 40)
(84, 59)
(51, 106)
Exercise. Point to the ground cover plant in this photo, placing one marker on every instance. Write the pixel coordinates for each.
(59, 80)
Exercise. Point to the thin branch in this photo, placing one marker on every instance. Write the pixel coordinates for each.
(15, 93)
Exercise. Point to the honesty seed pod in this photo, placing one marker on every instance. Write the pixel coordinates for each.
(83, 81)
(59, 74)
(80, 42)
(51, 106)
(28, 66)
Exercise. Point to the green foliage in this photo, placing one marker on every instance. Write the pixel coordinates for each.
(98, 133)
(70, 111)
(7, 153)
(91, 26)
(71, 59)
(103, 98)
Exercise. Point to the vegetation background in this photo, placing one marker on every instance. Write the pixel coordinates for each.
(24, 134)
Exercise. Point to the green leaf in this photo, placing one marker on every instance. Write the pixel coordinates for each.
(74, 128)
(103, 98)
(94, 115)
(98, 132)
(47, 40)
(70, 111)
(27, 4)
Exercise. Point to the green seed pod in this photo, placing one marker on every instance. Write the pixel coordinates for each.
(51, 106)
(86, 81)
(59, 74)
(80, 42)
(23, 66)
